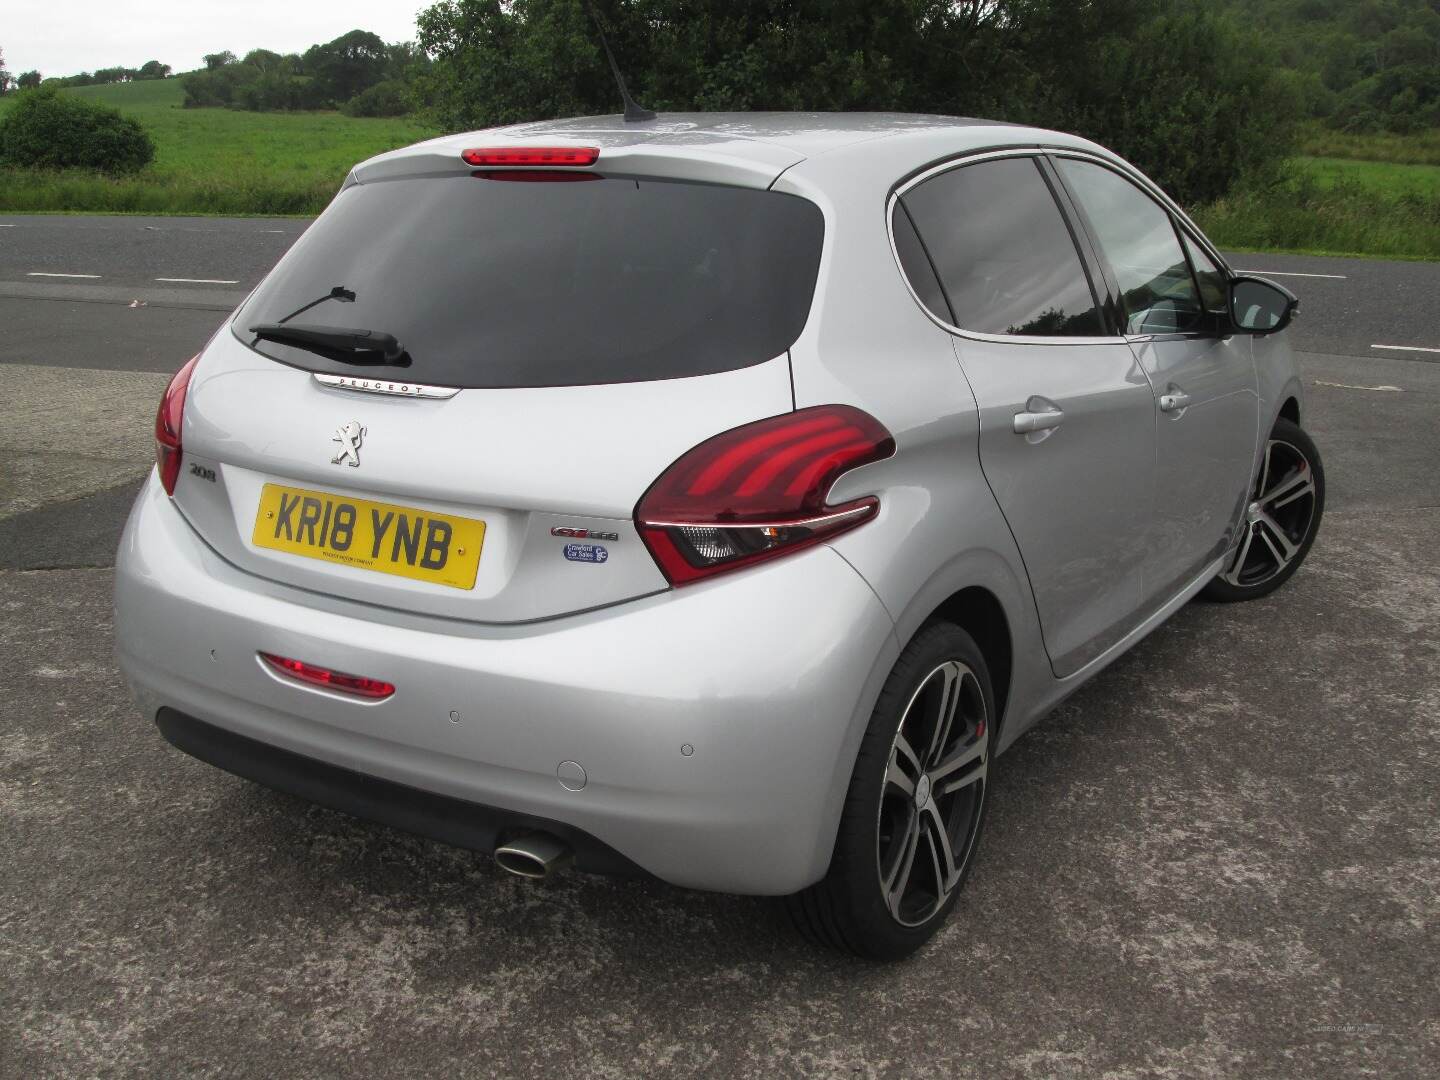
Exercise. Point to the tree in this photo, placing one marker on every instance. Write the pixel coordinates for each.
(351, 63)
(265, 60)
(218, 59)
(153, 69)
(4, 75)
(28, 80)
(264, 81)
(108, 75)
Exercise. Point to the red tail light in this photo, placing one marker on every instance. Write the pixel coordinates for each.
(759, 491)
(532, 155)
(167, 426)
(358, 685)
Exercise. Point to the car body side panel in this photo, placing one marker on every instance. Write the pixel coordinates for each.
(1203, 453)
(1077, 497)
(1278, 377)
(868, 344)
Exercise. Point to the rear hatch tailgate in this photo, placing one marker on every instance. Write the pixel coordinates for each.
(559, 345)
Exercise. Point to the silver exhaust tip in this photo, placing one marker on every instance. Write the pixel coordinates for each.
(535, 856)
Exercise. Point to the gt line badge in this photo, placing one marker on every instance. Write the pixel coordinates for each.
(572, 533)
(349, 436)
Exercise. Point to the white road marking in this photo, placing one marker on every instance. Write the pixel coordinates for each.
(1292, 273)
(1347, 386)
(1405, 348)
(39, 273)
(7, 226)
(281, 231)
(200, 280)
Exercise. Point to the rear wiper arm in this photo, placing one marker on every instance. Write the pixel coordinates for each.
(345, 345)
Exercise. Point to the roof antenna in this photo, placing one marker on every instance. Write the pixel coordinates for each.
(635, 113)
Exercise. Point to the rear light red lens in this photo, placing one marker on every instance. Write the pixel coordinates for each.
(167, 426)
(532, 156)
(759, 491)
(357, 685)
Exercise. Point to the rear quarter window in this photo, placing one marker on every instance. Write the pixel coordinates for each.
(491, 283)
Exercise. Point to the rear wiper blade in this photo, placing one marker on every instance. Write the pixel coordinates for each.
(340, 343)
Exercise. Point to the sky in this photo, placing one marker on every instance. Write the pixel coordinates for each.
(64, 37)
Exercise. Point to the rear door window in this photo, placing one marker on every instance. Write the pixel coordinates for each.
(509, 283)
(1003, 252)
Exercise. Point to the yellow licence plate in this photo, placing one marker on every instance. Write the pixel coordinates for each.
(374, 535)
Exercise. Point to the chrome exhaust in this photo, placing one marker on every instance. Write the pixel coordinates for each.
(537, 856)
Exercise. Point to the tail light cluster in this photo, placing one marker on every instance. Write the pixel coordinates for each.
(759, 491)
(167, 426)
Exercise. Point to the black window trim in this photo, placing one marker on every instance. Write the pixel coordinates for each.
(1033, 152)
(1180, 225)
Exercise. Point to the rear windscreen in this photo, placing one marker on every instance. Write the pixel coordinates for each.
(504, 283)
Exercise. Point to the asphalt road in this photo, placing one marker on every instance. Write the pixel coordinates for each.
(1221, 858)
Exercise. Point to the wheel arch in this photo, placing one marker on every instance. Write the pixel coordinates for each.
(978, 611)
(1290, 409)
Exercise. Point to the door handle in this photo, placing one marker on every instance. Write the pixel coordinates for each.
(1175, 400)
(1042, 418)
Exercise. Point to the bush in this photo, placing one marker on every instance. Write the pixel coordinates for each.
(386, 98)
(1402, 99)
(50, 130)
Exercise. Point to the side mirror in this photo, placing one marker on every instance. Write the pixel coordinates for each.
(1258, 306)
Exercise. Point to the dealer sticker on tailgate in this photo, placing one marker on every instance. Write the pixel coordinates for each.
(377, 536)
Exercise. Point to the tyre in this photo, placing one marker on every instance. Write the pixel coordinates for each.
(915, 805)
(1281, 520)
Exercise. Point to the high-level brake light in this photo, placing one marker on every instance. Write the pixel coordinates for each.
(532, 156)
(759, 491)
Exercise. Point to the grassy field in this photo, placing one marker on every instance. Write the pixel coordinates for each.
(1334, 206)
(213, 161)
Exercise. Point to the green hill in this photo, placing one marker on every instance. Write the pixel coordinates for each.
(149, 93)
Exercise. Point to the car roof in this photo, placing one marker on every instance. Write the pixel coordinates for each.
(806, 133)
(737, 147)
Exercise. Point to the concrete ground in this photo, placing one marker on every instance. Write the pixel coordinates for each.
(1221, 858)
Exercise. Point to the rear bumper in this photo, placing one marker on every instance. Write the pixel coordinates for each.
(440, 817)
(767, 677)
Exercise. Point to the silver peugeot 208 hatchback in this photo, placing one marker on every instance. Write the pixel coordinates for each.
(714, 497)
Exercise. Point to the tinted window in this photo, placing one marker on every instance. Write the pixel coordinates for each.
(493, 283)
(916, 264)
(1157, 292)
(1214, 290)
(1005, 257)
